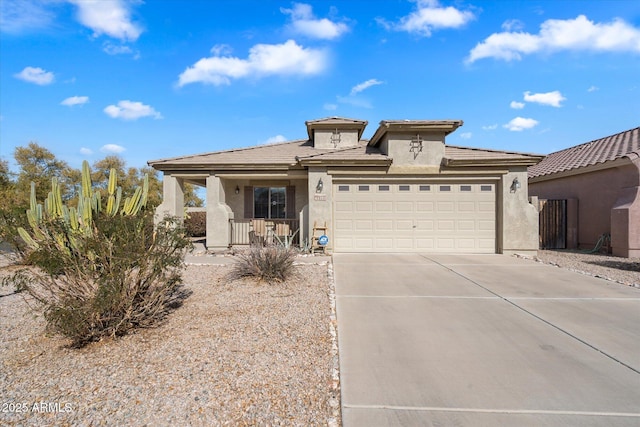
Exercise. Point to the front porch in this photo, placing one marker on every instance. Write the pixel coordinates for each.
(244, 209)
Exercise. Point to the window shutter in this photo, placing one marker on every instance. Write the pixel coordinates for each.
(291, 202)
(248, 202)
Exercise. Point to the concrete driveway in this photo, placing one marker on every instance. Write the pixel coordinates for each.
(484, 340)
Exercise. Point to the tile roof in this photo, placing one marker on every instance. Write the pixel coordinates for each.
(468, 153)
(284, 153)
(287, 154)
(623, 144)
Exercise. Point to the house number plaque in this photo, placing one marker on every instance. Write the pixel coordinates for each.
(320, 197)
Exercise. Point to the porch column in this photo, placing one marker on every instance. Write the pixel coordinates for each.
(320, 208)
(218, 215)
(172, 197)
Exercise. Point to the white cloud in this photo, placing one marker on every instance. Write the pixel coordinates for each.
(19, 16)
(430, 16)
(129, 110)
(364, 85)
(516, 105)
(330, 107)
(112, 148)
(550, 98)
(113, 49)
(287, 58)
(490, 127)
(304, 22)
(221, 49)
(579, 34)
(354, 101)
(275, 139)
(512, 25)
(520, 123)
(110, 17)
(75, 100)
(86, 151)
(466, 135)
(35, 75)
(593, 88)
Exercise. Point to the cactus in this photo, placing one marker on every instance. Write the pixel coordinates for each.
(80, 220)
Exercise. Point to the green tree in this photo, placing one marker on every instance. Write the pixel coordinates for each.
(39, 165)
(5, 177)
(191, 198)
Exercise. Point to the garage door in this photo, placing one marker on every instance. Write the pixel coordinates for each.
(408, 217)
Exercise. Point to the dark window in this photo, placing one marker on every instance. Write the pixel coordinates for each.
(465, 188)
(404, 187)
(343, 188)
(485, 188)
(269, 202)
(425, 188)
(445, 188)
(363, 188)
(383, 188)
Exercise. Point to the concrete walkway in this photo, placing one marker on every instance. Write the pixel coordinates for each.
(484, 340)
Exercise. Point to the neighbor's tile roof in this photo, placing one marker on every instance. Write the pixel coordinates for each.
(623, 144)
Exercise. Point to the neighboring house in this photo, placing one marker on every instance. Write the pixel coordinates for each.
(601, 181)
(402, 191)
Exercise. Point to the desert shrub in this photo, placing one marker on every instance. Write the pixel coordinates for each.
(126, 275)
(272, 263)
(101, 272)
(195, 224)
(11, 218)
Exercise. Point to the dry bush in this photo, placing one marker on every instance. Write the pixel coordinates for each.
(269, 264)
(124, 275)
(196, 224)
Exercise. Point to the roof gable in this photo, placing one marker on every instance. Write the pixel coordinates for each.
(610, 148)
(336, 122)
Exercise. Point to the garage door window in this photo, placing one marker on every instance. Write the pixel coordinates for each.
(445, 188)
(486, 188)
(465, 188)
(404, 187)
(343, 188)
(425, 188)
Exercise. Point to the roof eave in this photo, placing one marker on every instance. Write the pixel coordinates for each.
(345, 162)
(446, 126)
(492, 162)
(226, 166)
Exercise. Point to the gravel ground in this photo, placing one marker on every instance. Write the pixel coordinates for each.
(237, 353)
(621, 270)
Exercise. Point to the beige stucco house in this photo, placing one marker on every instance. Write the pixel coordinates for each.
(404, 190)
(600, 180)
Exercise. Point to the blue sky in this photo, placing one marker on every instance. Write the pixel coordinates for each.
(163, 78)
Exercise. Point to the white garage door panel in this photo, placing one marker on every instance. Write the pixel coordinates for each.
(400, 217)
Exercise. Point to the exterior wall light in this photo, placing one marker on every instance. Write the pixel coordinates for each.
(515, 185)
(237, 189)
(320, 186)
